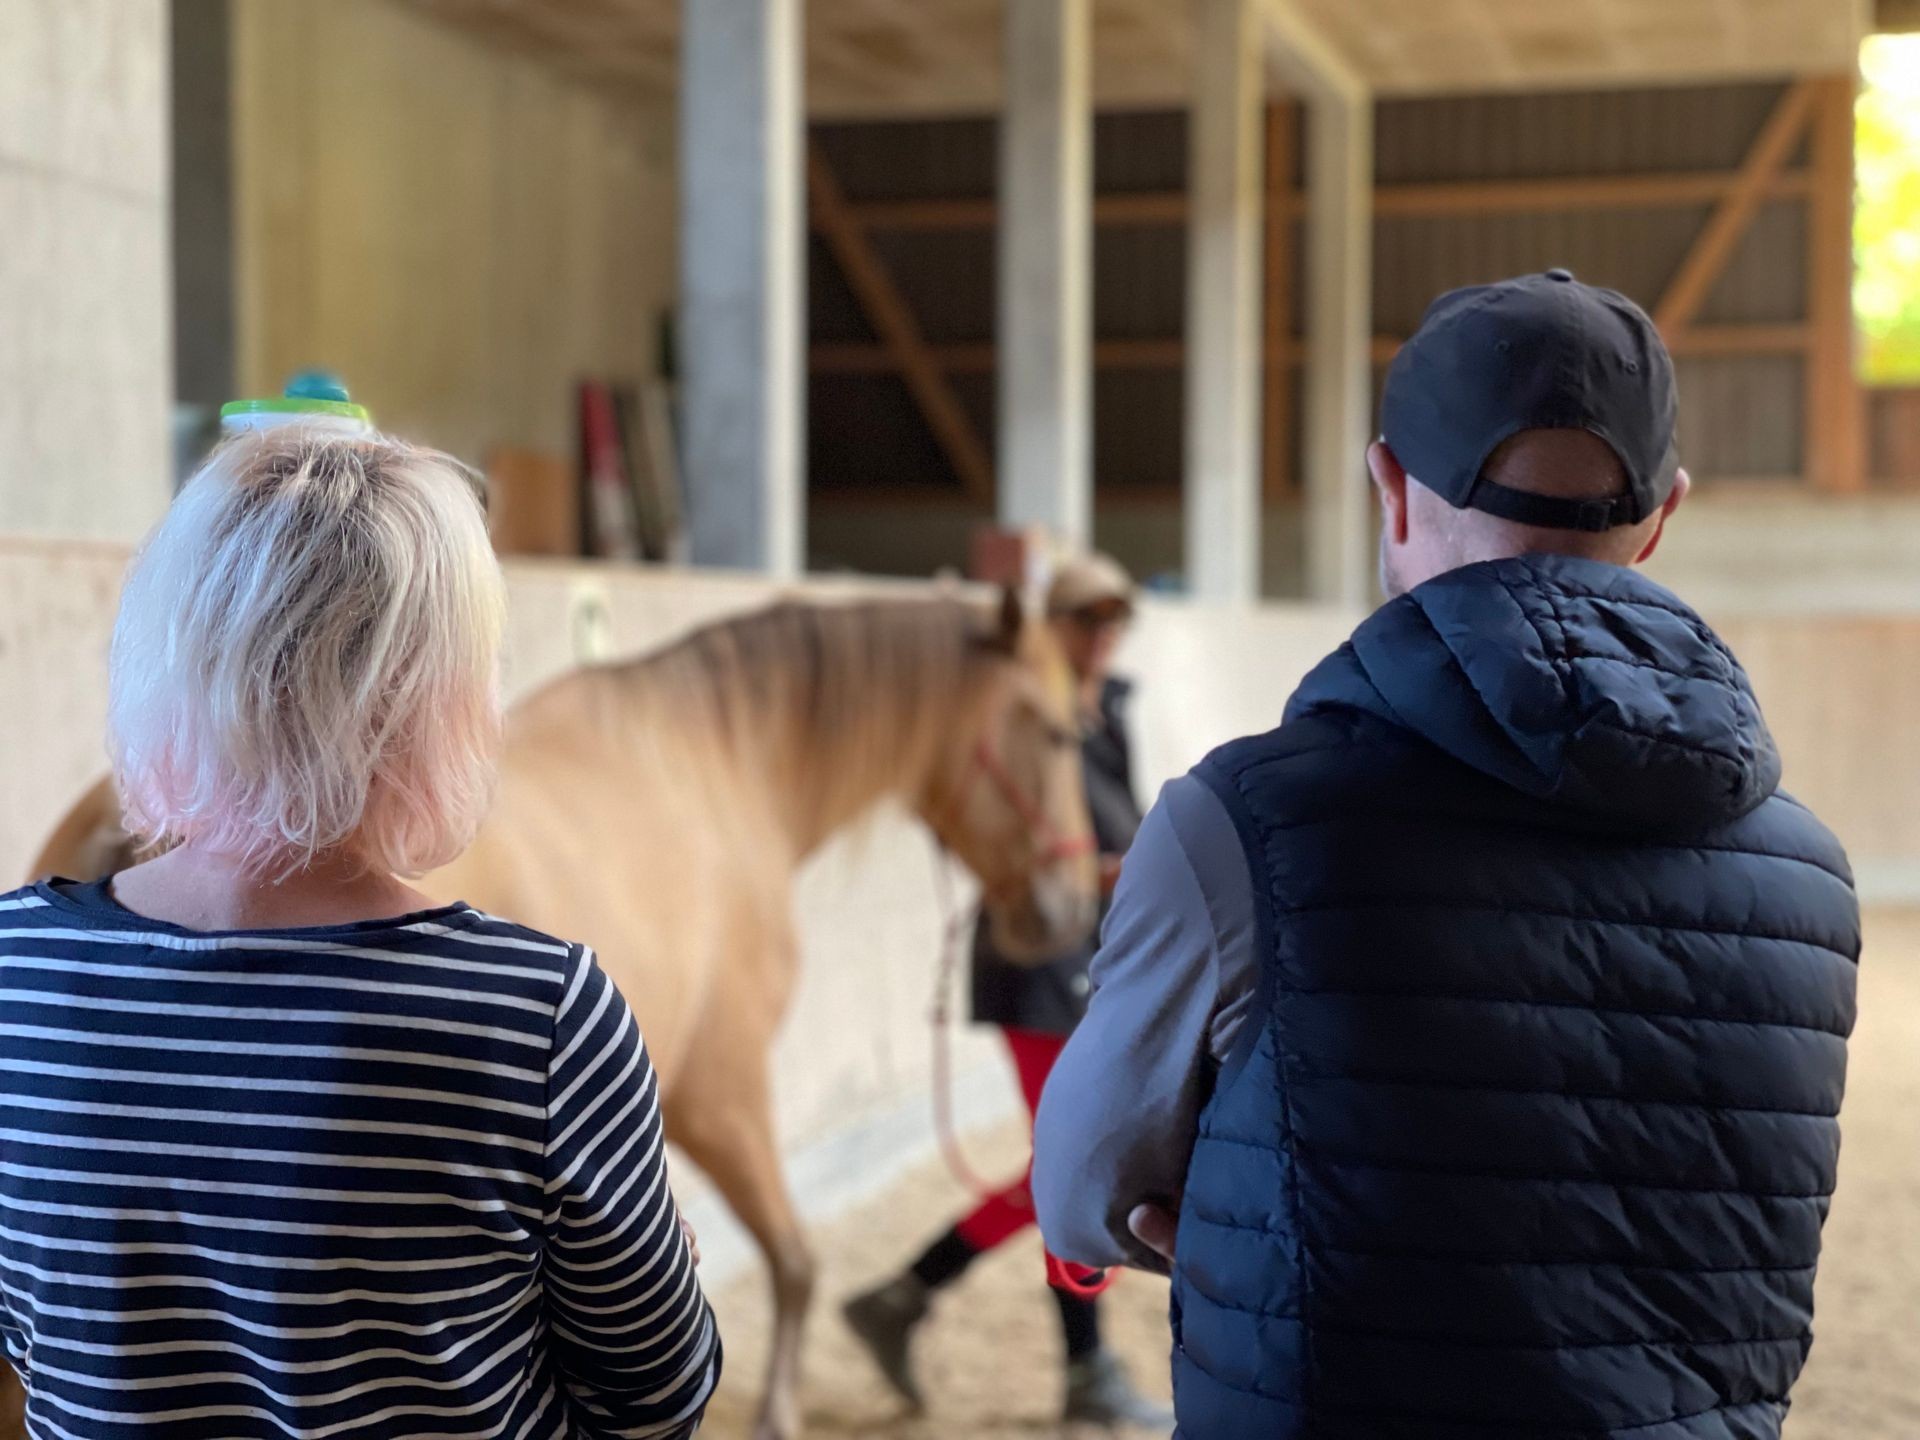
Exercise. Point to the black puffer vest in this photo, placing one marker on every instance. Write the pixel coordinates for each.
(1532, 1130)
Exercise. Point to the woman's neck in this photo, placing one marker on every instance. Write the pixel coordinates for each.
(204, 890)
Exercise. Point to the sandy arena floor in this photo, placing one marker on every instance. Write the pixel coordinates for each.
(990, 1356)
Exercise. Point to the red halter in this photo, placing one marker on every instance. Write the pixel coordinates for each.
(1050, 847)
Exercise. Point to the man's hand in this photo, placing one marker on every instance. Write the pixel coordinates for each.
(1154, 1227)
(693, 1240)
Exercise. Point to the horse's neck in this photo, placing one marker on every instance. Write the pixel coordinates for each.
(884, 699)
(838, 709)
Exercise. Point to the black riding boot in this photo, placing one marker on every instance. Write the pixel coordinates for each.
(884, 1318)
(1098, 1389)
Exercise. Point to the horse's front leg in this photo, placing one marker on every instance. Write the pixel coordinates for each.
(719, 1110)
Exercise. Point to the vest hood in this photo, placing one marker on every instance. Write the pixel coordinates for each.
(1573, 681)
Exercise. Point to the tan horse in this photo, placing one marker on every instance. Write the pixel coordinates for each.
(658, 810)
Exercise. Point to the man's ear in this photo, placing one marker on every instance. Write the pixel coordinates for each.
(1682, 483)
(1390, 480)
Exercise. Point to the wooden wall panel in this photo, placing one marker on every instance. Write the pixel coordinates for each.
(1765, 280)
(1601, 132)
(908, 158)
(1741, 417)
(865, 437)
(833, 314)
(1140, 431)
(1418, 257)
(460, 231)
(1139, 292)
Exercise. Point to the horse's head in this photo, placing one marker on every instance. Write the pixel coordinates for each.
(1008, 797)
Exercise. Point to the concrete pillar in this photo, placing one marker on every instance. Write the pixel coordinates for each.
(1225, 198)
(743, 282)
(1045, 333)
(1339, 398)
(1339, 308)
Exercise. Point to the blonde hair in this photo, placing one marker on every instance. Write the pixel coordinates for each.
(306, 657)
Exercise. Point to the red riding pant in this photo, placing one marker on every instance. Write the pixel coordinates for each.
(1009, 1211)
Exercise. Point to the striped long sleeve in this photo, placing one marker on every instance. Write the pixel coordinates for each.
(632, 1334)
(362, 1182)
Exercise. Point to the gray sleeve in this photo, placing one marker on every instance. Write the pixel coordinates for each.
(1172, 981)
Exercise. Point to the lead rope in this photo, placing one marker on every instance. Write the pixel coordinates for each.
(1080, 1281)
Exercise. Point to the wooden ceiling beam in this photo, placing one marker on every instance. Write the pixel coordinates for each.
(977, 357)
(1453, 197)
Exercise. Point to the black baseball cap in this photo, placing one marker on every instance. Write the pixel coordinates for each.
(1540, 352)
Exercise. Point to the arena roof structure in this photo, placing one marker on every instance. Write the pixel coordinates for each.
(749, 75)
(900, 57)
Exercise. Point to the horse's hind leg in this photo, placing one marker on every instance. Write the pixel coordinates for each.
(721, 1114)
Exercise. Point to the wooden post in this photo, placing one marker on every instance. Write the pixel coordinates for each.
(1045, 334)
(743, 283)
(1836, 425)
(1223, 510)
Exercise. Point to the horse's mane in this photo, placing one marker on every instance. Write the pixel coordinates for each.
(841, 702)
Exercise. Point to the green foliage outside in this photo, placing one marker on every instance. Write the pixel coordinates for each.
(1886, 225)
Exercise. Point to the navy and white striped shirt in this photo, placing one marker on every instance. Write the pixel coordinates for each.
(396, 1179)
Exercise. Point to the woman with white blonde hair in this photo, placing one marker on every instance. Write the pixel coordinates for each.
(286, 1148)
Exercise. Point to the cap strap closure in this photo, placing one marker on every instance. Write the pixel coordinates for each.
(1550, 512)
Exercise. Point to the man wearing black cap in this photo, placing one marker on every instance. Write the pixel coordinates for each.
(1470, 1047)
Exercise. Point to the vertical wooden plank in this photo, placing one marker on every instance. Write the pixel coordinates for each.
(1276, 374)
(1835, 434)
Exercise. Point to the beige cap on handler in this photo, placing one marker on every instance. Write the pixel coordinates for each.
(1086, 581)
